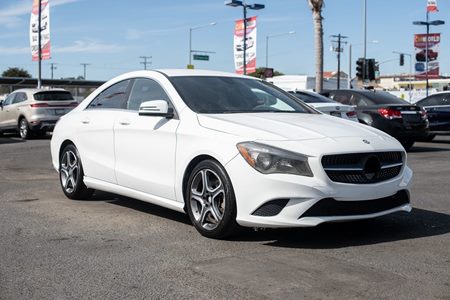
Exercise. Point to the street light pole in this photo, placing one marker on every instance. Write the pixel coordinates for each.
(235, 3)
(365, 44)
(267, 44)
(39, 46)
(190, 38)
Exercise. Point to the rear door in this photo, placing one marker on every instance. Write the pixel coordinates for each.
(95, 138)
(145, 145)
(438, 111)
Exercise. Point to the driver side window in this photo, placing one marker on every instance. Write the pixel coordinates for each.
(9, 100)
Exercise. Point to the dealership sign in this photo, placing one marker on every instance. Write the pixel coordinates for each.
(250, 44)
(420, 44)
(45, 30)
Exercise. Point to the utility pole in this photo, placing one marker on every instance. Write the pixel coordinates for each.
(339, 50)
(84, 67)
(146, 61)
(52, 67)
(364, 69)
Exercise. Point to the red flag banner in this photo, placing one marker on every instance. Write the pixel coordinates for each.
(432, 6)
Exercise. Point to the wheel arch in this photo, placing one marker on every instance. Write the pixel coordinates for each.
(63, 145)
(187, 172)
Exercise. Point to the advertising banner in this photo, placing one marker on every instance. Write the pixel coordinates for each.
(45, 30)
(250, 46)
(420, 44)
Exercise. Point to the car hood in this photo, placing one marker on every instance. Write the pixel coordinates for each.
(287, 126)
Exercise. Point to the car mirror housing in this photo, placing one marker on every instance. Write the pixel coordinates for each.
(156, 108)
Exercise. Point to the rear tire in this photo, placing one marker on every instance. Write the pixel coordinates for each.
(210, 200)
(407, 144)
(24, 129)
(71, 174)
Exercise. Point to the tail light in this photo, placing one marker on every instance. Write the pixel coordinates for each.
(36, 105)
(351, 114)
(390, 113)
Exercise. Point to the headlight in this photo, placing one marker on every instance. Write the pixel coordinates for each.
(269, 160)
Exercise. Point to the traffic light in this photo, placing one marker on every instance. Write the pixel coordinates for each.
(359, 68)
(402, 59)
(371, 69)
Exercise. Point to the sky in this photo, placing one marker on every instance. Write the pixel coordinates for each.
(112, 35)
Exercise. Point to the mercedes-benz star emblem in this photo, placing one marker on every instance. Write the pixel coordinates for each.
(372, 167)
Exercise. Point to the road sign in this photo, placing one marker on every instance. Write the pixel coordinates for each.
(201, 57)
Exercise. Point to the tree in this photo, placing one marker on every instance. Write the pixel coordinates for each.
(259, 73)
(16, 72)
(316, 8)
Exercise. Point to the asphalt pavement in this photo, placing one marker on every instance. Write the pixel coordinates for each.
(112, 247)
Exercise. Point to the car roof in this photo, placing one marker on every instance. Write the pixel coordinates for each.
(28, 90)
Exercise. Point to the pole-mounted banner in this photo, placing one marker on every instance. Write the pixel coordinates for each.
(250, 46)
(45, 30)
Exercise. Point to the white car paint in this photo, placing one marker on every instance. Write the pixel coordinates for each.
(146, 157)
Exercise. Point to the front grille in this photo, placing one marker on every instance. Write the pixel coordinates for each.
(330, 207)
(363, 168)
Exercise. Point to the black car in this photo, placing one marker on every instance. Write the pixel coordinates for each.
(406, 122)
(437, 107)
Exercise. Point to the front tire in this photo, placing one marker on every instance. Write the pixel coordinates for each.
(71, 174)
(210, 202)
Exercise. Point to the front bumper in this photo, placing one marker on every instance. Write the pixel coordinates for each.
(298, 197)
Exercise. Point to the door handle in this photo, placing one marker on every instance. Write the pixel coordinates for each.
(124, 122)
(85, 121)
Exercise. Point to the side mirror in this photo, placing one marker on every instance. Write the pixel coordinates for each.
(156, 108)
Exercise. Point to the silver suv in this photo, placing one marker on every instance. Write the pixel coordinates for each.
(33, 111)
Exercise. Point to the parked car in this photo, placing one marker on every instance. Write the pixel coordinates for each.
(34, 111)
(421, 56)
(326, 105)
(204, 143)
(437, 107)
(406, 122)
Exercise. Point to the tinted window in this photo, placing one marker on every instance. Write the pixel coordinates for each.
(384, 98)
(430, 101)
(343, 98)
(20, 97)
(53, 96)
(145, 90)
(211, 94)
(360, 100)
(113, 97)
(311, 98)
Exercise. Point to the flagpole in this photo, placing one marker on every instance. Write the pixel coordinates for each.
(39, 85)
(426, 51)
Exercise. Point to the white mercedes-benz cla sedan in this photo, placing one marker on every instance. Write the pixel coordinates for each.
(229, 151)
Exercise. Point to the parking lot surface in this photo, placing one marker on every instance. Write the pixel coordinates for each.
(113, 247)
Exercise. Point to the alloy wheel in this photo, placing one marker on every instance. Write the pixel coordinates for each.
(23, 129)
(70, 171)
(207, 199)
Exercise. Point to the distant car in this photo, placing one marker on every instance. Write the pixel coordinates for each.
(33, 111)
(326, 105)
(407, 123)
(250, 43)
(421, 56)
(437, 107)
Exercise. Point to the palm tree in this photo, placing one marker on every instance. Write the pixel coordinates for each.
(316, 7)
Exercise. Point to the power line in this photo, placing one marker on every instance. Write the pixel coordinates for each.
(146, 61)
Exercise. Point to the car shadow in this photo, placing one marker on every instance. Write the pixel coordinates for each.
(395, 227)
(10, 140)
(141, 206)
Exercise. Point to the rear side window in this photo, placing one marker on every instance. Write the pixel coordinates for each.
(53, 96)
(20, 97)
(145, 90)
(343, 98)
(113, 97)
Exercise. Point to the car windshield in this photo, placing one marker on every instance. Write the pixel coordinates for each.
(312, 98)
(384, 98)
(53, 96)
(222, 95)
